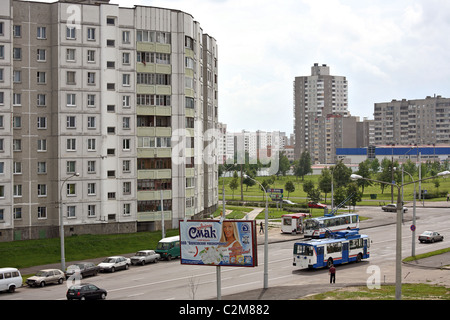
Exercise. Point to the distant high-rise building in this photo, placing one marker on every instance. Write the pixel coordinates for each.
(418, 121)
(318, 98)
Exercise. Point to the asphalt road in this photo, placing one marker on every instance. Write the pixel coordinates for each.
(168, 280)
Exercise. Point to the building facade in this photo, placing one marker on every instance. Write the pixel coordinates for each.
(418, 121)
(103, 112)
(318, 100)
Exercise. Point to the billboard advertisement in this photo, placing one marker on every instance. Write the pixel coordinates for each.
(218, 243)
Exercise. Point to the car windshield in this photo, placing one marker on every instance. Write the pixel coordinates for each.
(311, 224)
(41, 273)
(163, 246)
(140, 253)
(428, 233)
(109, 260)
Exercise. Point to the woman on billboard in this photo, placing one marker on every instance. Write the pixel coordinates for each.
(231, 247)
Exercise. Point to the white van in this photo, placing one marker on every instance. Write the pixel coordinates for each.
(10, 279)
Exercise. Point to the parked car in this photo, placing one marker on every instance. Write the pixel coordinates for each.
(430, 236)
(85, 291)
(82, 269)
(144, 256)
(46, 276)
(319, 205)
(10, 279)
(288, 201)
(392, 207)
(114, 263)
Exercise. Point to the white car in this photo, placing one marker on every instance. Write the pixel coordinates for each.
(144, 256)
(114, 263)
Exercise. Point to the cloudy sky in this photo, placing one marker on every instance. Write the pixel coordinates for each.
(386, 49)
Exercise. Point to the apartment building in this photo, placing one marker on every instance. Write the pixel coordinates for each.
(318, 99)
(418, 121)
(103, 111)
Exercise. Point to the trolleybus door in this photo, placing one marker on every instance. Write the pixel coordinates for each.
(320, 252)
(365, 247)
(344, 252)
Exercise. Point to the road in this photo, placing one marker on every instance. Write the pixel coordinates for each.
(169, 280)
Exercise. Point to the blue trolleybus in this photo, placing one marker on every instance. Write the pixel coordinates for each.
(343, 247)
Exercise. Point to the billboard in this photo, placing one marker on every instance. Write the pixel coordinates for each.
(218, 243)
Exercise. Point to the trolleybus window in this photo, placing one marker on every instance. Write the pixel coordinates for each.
(304, 250)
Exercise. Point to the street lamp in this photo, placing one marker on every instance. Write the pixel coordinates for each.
(398, 255)
(61, 222)
(266, 239)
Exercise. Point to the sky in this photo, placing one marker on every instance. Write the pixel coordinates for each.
(386, 49)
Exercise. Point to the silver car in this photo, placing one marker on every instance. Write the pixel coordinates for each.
(145, 256)
(46, 276)
(430, 236)
(114, 263)
(392, 208)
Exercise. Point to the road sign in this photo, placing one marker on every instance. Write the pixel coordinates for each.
(413, 227)
(275, 190)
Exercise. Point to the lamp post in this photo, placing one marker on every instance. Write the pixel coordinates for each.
(398, 255)
(61, 222)
(266, 239)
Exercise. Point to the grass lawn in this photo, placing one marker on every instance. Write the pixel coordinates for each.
(27, 253)
(419, 291)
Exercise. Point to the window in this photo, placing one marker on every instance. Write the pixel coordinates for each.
(91, 189)
(71, 99)
(126, 123)
(110, 21)
(153, 78)
(17, 167)
(126, 58)
(110, 42)
(17, 76)
(71, 189)
(91, 55)
(41, 55)
(111, 130)
(17, 31)
(17, 99)
(126, 101)
(70, 167)
(91, 34)
(17, 190)
(91, 210)
(17, 53)
(127, 209)
(41, 32)
(111, 173)
(126, 79)
(42, 190)
(110, 64)
(2, 52)
(42, 122)
(125, 36)
(71, 144)
(17, 213)
(70, 33)
(70, 54)
(71, 122)
(91, 100)
(17, 122)
(42, 145)
(91, 122)
(41, 77)
(42, 212)
(70, 211)
(111, 86)
(41, 100)
(41, 167)
(126, 188)
(70, 77)
(91, 144)
(91, 167)
(126, 166)
(91, 77)
(126, 144)
(17, 145)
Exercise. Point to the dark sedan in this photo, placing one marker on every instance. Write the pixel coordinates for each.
(86, 291)
(81, 270)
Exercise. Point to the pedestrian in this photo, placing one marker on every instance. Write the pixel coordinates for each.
(261, 229)
(332, 272)
(448, 196)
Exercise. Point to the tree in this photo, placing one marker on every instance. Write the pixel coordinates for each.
(364, 171)
(341, 174)
(290, 187)
(303, 166)
(283, 164)
(308, 186)
(325, 181)
(234, 184)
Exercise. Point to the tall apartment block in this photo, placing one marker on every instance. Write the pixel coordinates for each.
(103, 111)
(319, 99)
(419, 121)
